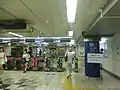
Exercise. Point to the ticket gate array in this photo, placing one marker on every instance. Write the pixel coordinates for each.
(34, 64)
(17, 63)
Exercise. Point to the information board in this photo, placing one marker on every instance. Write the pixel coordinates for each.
(94, 58)
(92, 69)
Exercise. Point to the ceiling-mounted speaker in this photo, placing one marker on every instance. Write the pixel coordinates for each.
(12, 24)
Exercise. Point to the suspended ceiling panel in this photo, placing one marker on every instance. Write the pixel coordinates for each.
(109, 24)
(115, 10)
(105, 27)
(87, 11)
(49, 17)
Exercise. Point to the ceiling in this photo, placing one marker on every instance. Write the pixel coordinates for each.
(47, 17)
(109, 24)
(50, 17)
(87, 11)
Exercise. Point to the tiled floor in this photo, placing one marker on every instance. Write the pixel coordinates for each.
(16, 80)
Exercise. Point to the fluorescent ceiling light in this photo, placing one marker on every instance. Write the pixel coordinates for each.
(71, 9)
(70, 33)
(15, 34)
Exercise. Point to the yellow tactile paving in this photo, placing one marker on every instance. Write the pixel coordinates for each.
(70, 85)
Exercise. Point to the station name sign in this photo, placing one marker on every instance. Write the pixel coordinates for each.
(34, 40)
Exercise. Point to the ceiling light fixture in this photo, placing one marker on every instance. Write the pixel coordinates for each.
(15, 34)
(70, 33)
(71, 9)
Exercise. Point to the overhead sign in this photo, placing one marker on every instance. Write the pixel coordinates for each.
(48, 40)
(29, 40)
(14, 40)
(21, 40)
(6, 40)
(94, 58)
(65, 40)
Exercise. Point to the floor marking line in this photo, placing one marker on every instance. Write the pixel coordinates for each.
(68, 85)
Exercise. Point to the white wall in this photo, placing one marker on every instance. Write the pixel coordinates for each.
(112, 63)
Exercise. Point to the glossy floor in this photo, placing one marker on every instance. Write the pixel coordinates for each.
(16, 80)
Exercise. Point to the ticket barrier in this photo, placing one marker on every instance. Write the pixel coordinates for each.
(60, 64)
(19, 63)
(48, 63)
(9, 65)
(31, 63)
(34, 65)
(76, 65)
(40, 62)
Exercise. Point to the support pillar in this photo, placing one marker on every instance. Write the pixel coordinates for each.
(92, 70)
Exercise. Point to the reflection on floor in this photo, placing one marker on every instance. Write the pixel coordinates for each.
(80, 82)
(16, 80)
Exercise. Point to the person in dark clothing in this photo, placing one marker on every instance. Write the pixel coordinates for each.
(40, 52)
(13, 54)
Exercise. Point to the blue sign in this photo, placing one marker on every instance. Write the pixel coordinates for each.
(91, 69)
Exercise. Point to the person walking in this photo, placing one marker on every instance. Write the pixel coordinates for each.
(2, 58)
(26, 58)
(69, 59)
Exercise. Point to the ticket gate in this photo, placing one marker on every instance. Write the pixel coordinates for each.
(76, 65)
(34, 64)
(9, 65)
(60, 64)
(31, 63)
(40, 62)
(48, 63)
(19, 63)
